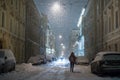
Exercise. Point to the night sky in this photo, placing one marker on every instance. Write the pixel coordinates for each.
(63, 21)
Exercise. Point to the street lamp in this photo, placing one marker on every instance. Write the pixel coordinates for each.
(62, 53)
(63, 47)
(56, 7)
(61, 44)
(60, 36)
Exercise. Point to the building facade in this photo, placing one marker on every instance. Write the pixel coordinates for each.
(22, 29)
(50, 50)
(102, 26)
(111, 21)
(33, 28)
(50, 43)
(74, 44)
(89, 24)
(12, 27)
(36, 30)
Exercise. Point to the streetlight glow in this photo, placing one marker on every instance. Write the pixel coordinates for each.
(61, 44)
(63, 47)
(56, 7)
(60, 36)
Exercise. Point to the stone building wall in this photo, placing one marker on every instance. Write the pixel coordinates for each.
(12, 27)
(102, 26)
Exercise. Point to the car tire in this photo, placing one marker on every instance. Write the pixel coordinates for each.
(0, 71)
(13, 67)
(92, 69)
(98, 69)
(5, 69)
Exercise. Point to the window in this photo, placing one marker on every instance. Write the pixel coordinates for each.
(109, 47)
(116, 17)
(12, 2)
(112, 56)
(3, 19)
(11, 25)
(116, 47)
(16, 4)
(16, 28)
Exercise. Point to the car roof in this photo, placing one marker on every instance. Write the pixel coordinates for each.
(108, 52)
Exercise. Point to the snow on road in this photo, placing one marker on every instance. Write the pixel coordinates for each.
(52, 71)
(22, 71)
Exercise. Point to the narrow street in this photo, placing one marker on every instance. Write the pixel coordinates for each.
(52, 71)
(42, 39)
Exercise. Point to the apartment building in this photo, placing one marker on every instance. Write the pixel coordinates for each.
(102, 26)
(12, 27)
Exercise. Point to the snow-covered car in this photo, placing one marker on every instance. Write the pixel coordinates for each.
(106, 62)
(49, 58)
(37, 60)
(7, 60)
(82, 60)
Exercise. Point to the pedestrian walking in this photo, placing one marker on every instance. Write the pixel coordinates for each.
(72, 59)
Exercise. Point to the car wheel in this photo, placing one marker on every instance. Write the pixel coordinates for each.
(5, 69)
(13, 67)
(92, 69)
(0, 71)
(98, 69)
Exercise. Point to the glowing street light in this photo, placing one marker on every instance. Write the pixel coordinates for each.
(62, 53)
(60, 36)
(63, 47)
(61, 44)
(56, 7)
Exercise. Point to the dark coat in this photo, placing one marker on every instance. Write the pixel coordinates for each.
(72, 58)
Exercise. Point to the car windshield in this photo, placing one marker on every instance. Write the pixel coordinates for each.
(112, 57)
(1, 54)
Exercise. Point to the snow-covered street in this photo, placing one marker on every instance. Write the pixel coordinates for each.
(52, 71)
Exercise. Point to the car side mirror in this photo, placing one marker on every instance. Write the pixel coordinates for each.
(5, 57)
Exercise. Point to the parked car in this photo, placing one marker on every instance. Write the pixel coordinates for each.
(43, 58)
(37, 60)
(7, 60)
(106, 62)
(49, 58)
(82, 60)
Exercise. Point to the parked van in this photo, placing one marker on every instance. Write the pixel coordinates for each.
(7, 60)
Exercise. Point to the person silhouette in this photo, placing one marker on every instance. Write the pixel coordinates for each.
(72, 59)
